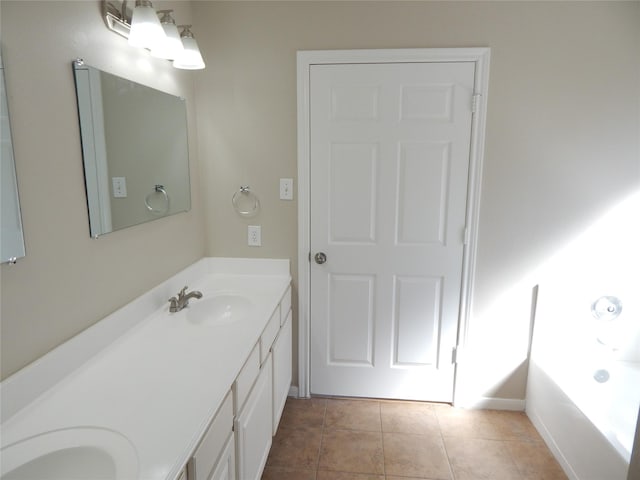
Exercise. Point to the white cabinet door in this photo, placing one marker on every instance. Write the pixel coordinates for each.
(226, 468)
(254, 426)
(281, 353)
(213, 442)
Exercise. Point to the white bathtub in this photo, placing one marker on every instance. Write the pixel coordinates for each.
(588, 424)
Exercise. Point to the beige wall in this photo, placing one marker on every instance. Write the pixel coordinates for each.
(68, 281)
(562, 134)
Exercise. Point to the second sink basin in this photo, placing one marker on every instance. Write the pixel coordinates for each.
(218, 310)
(79, 453)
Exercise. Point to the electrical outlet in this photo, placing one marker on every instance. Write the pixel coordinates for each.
(286, 189)
(254, 236)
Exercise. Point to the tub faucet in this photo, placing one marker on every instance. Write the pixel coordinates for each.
(182, 300)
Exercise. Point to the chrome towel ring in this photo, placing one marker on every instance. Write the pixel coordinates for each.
(158, 211)
(245, 202)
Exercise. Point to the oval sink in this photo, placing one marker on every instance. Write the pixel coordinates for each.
(71, 454)
(218, 310)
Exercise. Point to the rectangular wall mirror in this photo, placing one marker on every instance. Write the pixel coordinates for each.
(134, 148)
(11, 236)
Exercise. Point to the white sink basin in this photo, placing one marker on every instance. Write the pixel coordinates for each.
(218, 310)
(79, 453)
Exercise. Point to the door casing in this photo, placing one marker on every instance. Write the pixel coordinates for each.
(307, 58)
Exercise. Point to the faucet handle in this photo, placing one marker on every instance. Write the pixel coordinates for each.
(182, 292)
(173, 304)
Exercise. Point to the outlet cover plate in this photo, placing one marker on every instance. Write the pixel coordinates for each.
(254, 236)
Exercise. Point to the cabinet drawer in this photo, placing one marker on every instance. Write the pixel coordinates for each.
(285, 306)
(246, 377)
(269, 334)
(213, 441)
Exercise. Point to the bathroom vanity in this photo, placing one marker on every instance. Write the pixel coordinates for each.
(148, 394)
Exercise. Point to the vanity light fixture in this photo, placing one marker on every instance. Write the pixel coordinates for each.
(160, 36)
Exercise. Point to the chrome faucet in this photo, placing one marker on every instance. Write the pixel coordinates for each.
(182, 300)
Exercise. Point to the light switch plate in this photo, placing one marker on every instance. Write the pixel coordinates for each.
(286, 189)
(254, 236)
(119, 187)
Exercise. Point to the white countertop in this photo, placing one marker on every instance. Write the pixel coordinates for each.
(160, 383)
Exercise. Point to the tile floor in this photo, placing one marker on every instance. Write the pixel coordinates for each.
(352, 439)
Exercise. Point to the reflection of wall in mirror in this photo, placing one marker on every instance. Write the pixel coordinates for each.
(146, 139)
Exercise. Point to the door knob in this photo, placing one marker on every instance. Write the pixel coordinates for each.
(320, 258)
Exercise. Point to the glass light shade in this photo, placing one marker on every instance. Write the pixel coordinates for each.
(190, 58)
(146, 30)
(171, 46)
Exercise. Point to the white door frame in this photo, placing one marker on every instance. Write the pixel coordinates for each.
(318, 57)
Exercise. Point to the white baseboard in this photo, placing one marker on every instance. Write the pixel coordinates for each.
(493, 403)
(480, 403)
(293, 391)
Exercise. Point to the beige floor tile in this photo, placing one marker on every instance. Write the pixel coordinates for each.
(353, 415)
(458, 422)
(327, 475)
(284, 473)
(303, 413)
(296, 447)
(404, 417)
(352, 451)
(512, 426)
(421, 456)
(535, 461)
(480, 459)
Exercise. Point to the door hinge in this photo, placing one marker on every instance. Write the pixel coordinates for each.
(465, 236)
(475, 102)
(309, 257)
(455, 354)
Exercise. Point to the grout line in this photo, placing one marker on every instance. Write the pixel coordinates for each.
(324, 421)
(384, 462)
(446, 452)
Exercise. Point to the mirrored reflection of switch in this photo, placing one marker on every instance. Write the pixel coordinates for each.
(119, 187)
(286, 189)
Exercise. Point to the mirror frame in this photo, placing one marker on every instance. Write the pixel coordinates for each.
(11, 228)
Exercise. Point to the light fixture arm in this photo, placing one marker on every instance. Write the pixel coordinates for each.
(123, 12)
(117, 19)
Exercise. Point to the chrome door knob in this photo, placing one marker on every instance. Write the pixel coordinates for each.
(320, 258)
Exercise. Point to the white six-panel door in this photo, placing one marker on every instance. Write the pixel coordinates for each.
(389, 160)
